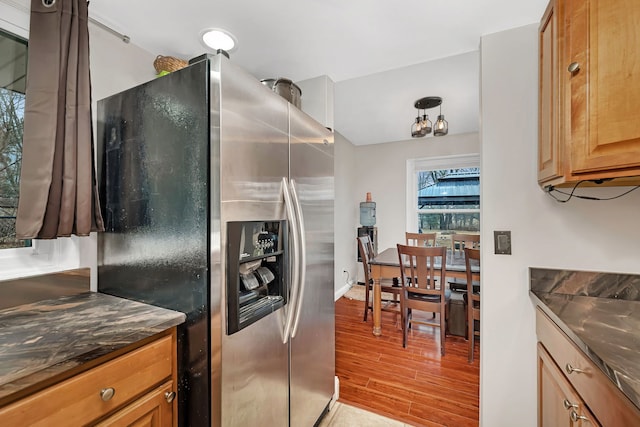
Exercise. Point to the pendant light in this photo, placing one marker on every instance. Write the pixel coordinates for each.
(442, 126)
(416, 128)
(422, 125)
(426, 125)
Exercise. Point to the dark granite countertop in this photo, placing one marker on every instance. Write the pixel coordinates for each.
(43, 340)
(600, 316)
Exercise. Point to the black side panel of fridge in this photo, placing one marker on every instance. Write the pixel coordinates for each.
(153, 167)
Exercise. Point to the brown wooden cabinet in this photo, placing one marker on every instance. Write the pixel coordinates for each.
(549, 40)
(589, 82)
(558, 403)
(565, 373)
(151, 410)
(133, 386)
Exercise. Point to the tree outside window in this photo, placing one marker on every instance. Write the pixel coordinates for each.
(13, 50)
(448, 202)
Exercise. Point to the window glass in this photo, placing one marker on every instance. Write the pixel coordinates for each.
(13, 70)
(448, 202)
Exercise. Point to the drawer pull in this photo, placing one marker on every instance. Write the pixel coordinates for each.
(570, 369)
(170, 395)
(575, 417)
(574, 67)
(569, 405)
(107, 393)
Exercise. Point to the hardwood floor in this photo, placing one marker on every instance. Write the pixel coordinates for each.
(414, 385)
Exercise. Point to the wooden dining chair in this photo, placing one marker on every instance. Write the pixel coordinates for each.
(458, 243)
(427, 292)
(461, 241)
(420, 239)
(423, 240)
(472, 300)
(386, 285)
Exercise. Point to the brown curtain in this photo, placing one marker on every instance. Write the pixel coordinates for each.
(58, 192)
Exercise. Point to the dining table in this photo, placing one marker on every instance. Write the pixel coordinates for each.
(386, 264)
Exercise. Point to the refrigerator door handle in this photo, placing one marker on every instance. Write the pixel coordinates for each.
(302, 259)
(295, 272)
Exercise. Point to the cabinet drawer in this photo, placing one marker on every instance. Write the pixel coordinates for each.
(153, 409)
(608, 404)
(558, 402)
(78, 401)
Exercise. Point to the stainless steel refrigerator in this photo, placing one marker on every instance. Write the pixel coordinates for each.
(218, 200)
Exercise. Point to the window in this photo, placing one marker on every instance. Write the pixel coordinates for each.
(444, 196)
(13, 51)
(29, 258)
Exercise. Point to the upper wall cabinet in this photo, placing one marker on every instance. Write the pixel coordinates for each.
(549, 150)
(589, 113)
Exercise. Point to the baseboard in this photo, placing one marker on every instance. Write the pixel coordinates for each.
(336, 392)
(340, 292)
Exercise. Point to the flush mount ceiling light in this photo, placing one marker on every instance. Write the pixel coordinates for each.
(218, 39)
(422, 125)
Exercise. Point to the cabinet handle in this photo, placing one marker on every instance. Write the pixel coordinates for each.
(574, 67)
(107, 393)
(169, 396)
(569, 405)
(575, 417)
(570, 369)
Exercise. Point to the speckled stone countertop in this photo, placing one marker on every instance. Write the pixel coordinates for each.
(600, 313)
(42, 340)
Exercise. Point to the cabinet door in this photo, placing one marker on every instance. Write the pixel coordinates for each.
(549, 150)
(605, 89)
(155, 409)
(558, 403)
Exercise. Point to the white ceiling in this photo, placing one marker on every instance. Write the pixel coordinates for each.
(343, 39)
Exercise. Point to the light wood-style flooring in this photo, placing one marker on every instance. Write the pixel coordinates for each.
(414, 385)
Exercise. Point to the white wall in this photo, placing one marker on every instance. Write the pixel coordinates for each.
(581, 235)
(346, 212)
(379, 108)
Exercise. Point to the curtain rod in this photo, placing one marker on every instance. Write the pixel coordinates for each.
(125, 38)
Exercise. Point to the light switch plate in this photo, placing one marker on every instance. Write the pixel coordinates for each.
(502, 242)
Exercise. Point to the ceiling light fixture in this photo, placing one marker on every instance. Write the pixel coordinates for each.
(422, 126)
(218, 39)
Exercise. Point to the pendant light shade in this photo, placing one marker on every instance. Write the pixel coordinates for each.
(416, 128)
(426, 124)
(422, 125)
(442, 126)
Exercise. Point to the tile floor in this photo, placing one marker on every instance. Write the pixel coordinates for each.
(342, 415)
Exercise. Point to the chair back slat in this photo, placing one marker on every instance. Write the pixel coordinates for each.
(420, 239)
(471, 241)
(421, 264)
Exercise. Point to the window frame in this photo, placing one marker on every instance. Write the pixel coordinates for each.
(433, 163)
